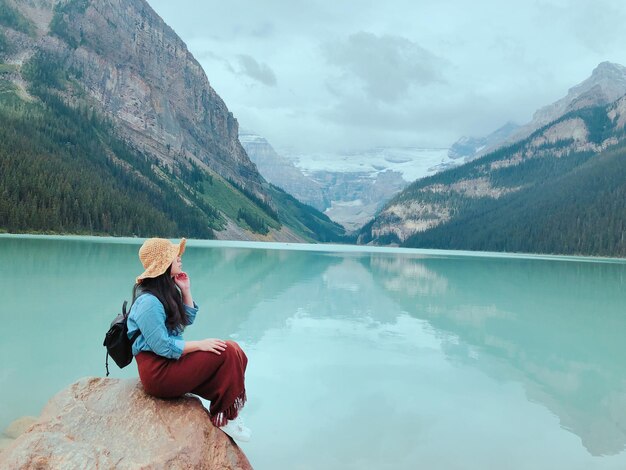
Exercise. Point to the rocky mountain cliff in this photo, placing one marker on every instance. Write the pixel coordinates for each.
(282, 172)
(123, 133)
(140, 73)
(354, 197)
(606, 84)
(470, 206)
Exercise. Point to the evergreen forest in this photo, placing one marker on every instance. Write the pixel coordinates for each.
(64, 170)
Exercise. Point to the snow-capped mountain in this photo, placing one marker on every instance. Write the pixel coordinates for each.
(349, 187)
(410, 162)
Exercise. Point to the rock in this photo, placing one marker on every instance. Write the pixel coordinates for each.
(606, 84)
(17, 427)
(4, 442)
(113, 423)
(140, 74)
(282, 172)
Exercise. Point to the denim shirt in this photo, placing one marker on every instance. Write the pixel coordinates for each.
(148, 316)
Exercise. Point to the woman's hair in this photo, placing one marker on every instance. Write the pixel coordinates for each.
(165, 289)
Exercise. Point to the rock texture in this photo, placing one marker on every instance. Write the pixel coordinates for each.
(112, 423)
(19, 426)
(357, 196)
(350, 198)
(606, 84)
(140, 73)
(281, 171)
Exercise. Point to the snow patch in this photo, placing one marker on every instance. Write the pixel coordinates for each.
(411, 163)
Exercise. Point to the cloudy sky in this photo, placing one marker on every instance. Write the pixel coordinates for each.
(333, 76)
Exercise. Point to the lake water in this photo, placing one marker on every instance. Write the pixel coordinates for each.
(359, 359)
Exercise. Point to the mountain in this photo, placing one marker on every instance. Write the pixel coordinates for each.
(281, 171)
(349, 187)
(110, 126)
(559, 190)
(606, 84)
(579, 212)
(357, 184)
(467, 148)
(355, 196)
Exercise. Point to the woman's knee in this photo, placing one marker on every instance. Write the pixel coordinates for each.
(234, 350)
(232, 344)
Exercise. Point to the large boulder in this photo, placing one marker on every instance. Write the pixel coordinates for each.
(113, 423)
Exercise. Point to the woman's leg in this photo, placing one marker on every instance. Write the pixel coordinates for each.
(226, 388)
(218, 378)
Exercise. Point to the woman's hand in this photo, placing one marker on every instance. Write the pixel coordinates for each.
(212, 345)
(182, 281)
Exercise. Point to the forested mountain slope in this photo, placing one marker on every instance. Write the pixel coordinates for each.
(110, 126)
(561, 190)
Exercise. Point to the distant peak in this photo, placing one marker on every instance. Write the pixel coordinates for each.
(607, 67)
(509, 125)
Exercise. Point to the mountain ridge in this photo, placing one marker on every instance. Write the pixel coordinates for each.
(126, 80)
(606, 84)
(439, 211)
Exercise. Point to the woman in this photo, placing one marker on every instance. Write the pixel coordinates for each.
(168, 365)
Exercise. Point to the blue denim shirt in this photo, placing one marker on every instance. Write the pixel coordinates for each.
(148, 316)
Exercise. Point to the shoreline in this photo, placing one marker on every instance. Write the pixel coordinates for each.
(324, 247)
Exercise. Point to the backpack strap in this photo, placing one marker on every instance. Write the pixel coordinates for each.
(138, 332)
(135, 336)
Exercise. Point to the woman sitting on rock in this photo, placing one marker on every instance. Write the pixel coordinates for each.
(170, 366)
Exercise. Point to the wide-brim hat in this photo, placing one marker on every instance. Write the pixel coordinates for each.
(157, 254)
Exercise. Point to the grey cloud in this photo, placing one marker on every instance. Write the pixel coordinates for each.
(428, 120)
(386, 66)
(208, 55)
(416, 72)
(596, 25)
(263, 30)
(258, 71)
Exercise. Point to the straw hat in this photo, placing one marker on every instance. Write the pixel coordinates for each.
(157, 254)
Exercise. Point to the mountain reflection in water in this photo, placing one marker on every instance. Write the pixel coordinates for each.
(557, 327)
(358, 359)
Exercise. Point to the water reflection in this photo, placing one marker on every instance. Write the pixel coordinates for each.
(357, 360)
(555, 326)
(229, 284)
(61, 293)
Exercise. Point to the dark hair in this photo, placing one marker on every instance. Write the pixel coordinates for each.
(165, 289)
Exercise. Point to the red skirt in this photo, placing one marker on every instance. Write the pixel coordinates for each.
(218, 378)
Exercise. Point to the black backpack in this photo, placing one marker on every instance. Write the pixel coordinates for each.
(119, 347)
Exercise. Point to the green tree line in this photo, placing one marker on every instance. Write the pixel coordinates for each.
(561, 202)
(581, 212)
(63, 170)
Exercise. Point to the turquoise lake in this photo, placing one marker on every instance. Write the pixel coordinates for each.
(358, 358)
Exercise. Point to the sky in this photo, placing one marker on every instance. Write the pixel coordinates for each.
(345, 76)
